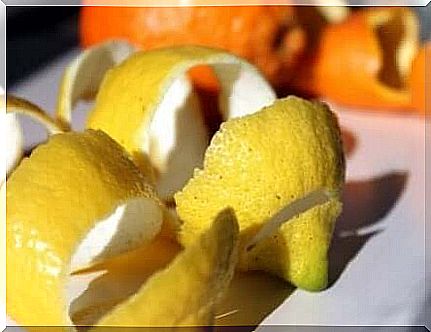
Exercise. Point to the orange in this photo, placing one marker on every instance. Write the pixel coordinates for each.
(265, 35)
(313, 24)
(420, 79)
(365, 60)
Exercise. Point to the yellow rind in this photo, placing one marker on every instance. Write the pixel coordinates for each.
(17, 105)
(131, 92)
(258, 164)
(185, 293)
(53, 199)
(83, 76)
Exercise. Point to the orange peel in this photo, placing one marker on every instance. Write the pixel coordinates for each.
(420, 79)
(366, 60)
(267, 36)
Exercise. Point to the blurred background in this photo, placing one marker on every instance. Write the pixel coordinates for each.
(38, 35)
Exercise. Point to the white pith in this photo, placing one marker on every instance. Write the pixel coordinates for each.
(243, 89)
(176, 139)
(11, 149)
(84, 75)
(132, 224)
(177, 119)
(408, 44)
(288, 212)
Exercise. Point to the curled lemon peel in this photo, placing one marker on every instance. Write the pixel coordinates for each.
(36, 245)
(21, 106)
(12, 146)
(14, 143)
(42, 208)
(55, 199)
(156, 115)
(259, 175)
(197, 278)
(82, 78)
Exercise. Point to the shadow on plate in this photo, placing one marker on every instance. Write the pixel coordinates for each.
(251, 297)
(366, 203)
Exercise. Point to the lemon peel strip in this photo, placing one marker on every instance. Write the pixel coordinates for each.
(83, 76)
(259, 174)
(11, 148)
(187, 291)
(146, 103)
(18, 105)
(48, 218)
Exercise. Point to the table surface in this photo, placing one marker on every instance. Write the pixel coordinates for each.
(378, 255)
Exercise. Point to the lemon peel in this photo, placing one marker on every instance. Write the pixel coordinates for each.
(147, 104)
(12, 146)
(21, 106)
(187, 291)
(92, 289)
(14, 137)
(258, 174)
(293, 209)
(55, 198)
(82, 78)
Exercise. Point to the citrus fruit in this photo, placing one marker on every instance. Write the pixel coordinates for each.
(98, 289)
(11, 147)
(371, 69)
(146, 104)
(267, 36)
(82, 78)
(76, 200)
(420, 79)
(21, 106)
(14, 137)
(186, 292)
(205, 270)
(258, 174)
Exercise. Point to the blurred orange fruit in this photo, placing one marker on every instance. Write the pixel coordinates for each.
(365, 60)
(267, 36)
(420, 79)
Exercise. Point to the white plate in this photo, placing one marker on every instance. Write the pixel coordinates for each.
(378, 256)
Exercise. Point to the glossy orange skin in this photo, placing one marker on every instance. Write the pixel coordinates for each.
(346, 64)
(264, 35)
(420, 80)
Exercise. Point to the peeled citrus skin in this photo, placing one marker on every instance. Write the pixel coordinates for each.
(258, 164)
(185, 293)
(265, 35)
(147, 105)
(53, 198)
(420, 79)
(362, 60)
(136, 87)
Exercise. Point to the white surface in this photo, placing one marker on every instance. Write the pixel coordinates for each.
(384, 283)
